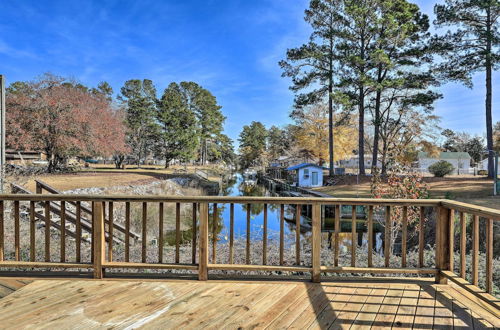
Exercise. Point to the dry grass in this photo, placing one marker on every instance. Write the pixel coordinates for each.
(470, 189)
(103, 176)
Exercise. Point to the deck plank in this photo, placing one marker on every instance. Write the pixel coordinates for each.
(407, 307)
(443, 310)
(424, 315)
(387, 312)
(370, 308)
(192, 304)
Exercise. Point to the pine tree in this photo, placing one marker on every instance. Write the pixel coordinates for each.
(209, 116)
(471, 45)
(177, 135)
(139, 98)
(312, 65)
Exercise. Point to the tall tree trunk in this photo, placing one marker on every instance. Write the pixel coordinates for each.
(377, 121)
(385, 148)
(361, 129)
(330, 123)
(489, 121)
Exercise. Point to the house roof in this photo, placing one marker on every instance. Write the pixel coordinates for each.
(299, 166)
(446, 155)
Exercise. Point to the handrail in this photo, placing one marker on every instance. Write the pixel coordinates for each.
(40, 186)
(223, 199)
(203, 259)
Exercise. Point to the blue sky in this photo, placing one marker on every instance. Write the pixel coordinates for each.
(230, 47)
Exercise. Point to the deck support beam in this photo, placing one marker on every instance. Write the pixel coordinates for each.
(442, 243)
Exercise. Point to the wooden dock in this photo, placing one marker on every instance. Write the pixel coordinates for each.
(353, 304)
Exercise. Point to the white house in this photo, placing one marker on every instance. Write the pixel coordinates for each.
(307, 175)
(459, 160)
(353, 162)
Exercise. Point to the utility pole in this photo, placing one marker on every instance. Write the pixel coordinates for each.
(2, 132)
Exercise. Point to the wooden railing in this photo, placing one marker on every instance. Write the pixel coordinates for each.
(19, 247)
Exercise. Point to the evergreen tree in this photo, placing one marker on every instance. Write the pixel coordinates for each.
(252, 144)
(277, 142)
(209, 116)
(471, 45)
(177, 135)
(139, 98)
(312, 65)
(401, 74)
(358, 22)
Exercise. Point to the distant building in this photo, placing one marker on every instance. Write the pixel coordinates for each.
(287, 161)
(460, 161)
(353, 162)
(24, 157)
(307, 175)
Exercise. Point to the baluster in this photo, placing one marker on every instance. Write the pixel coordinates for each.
(16, 231)
(144, 230)
(370, 236)
(111, 224)
(404, 236)
(264, 238)
(47, 231)
(387, 243)
(463, 244)
(92, 235)
(2, 241)
(78, 240)
(298, 212)
(98, 240)
(127, 231)
(193, 252)
(63, 231)
(421, 235)
(475, 250)
(282, 233)
(337, 235)
(489, 255)
(32, 231)
(231, 233)
(203, 245)
(316, 243)
(160, 233)
(248, 235)
(177, 231)
(451, 239)
(353, 237)
(214, 234)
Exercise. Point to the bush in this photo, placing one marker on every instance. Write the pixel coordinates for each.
(441, 168)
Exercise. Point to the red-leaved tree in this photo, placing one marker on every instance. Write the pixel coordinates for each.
(63, 119)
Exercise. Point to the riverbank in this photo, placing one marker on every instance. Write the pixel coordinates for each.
(105, 176)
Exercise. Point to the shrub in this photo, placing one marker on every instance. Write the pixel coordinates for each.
(441, 168)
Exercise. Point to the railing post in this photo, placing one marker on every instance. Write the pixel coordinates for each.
(316, 243)
(98, 239)
(203, 257)
(442, 243)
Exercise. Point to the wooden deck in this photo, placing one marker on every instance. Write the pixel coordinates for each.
(130, 304)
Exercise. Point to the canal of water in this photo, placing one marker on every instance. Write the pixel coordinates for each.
(236, 186)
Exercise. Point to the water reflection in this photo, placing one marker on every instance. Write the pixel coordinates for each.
(219, 219)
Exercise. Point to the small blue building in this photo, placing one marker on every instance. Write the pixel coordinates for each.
(307, 175)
